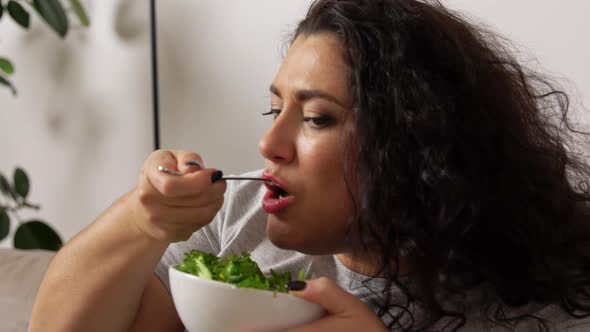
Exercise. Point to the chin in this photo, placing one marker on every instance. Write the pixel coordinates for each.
(288, 241)
(287, 237)
(281, 235)
(304, 248)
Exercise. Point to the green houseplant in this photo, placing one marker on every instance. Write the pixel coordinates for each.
(34, 233)
(30, 234)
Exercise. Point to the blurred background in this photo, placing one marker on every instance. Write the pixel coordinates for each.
(81, 124)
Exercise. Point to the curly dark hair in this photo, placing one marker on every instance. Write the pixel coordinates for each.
(466, 164)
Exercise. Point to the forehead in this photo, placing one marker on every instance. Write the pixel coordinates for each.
(315, 62)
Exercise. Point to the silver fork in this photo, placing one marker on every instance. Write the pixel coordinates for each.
(175, 173)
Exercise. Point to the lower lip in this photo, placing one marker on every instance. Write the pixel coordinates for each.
(273, 204)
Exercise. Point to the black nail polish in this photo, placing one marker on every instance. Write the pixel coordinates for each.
(216, 176)
(194, 163)
(296, 285)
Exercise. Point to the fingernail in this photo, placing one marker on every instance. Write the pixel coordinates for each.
(296, 285)
(216, 176)
(194, 163)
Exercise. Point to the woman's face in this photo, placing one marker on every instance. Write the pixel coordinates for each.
(305, 147)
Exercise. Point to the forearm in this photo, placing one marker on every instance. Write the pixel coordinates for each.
(95, 282)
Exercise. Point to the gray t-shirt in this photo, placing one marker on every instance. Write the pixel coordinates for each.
(240, 226)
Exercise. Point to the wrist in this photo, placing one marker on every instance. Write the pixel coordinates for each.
(135, 221)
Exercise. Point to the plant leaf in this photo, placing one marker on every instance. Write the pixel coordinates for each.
(6, 65)
(21, 183)
(36, 234)
(80, 12)
(4, 224)
(5, 82)
(54, 14)
(18, 14)
(4, 185)
(6, 188)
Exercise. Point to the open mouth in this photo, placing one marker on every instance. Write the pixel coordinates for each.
(276, 189)
(278, 197)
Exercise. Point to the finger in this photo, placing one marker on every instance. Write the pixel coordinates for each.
(329, 323)
(176, 186)
(191, 184)
(188, 161)
(181, 161)
(180, 224)
(181, 217)
(215, 193)
(165, 158)
(327, 294)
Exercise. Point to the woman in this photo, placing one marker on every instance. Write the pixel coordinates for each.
(423, 175)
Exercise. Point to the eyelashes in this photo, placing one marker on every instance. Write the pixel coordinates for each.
(316, 122)
(273, 111)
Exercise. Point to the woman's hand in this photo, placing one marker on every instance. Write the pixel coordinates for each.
(170, 208)
(344, 311)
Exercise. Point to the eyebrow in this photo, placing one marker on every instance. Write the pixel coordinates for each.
(303, 95)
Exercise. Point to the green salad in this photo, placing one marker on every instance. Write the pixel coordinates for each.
(238, 270)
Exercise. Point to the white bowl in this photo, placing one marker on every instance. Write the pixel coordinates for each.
(212, 306)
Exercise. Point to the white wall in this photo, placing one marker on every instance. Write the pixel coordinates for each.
(218, 60)
(81, 124)
(552, 35)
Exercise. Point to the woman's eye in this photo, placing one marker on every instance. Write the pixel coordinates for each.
(318, 121)
(274, 112)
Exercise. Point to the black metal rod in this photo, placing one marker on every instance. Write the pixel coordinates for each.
(155, 89)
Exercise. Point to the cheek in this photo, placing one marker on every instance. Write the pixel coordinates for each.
(322, 167)
(321, 160)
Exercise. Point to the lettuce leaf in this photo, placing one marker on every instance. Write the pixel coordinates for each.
(238, 270)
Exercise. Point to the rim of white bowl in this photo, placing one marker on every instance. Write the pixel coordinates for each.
(222, 284)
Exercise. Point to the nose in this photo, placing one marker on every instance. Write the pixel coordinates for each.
(278, 143)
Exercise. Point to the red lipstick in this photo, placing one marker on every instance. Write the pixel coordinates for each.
(277, 197)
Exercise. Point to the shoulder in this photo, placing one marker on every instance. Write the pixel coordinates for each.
(555, 319)
(241, 223)
(241, 213)
(242, 206)
(562, 321)
(244, 195)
